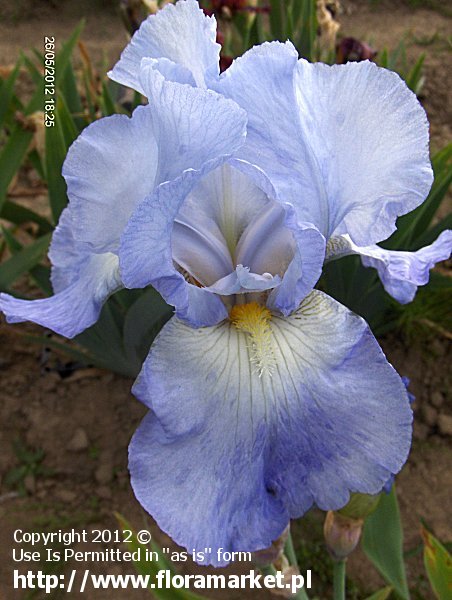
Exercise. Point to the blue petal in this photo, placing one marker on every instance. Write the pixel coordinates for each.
(244, 453)
(191, 125)
(400, 272)
(267, 245)
(191, 244)
(347, 145)
(146, 254)
(226, 200)
(181, 33)
(82, 282)
(170, 70)
(305, 268)
(109, 169)
(118, 161)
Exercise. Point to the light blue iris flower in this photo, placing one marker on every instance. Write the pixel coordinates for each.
(227, 193)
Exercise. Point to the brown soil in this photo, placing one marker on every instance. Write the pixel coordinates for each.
(83, 423)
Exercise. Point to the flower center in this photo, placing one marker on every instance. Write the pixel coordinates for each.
(254, 320)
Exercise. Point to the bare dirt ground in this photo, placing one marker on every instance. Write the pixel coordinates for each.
(83, 423)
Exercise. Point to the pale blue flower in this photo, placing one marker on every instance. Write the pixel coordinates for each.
(266, 396)
(114, 164)
(346, 145)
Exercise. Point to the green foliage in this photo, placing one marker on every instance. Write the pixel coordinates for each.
(429, 313)
(382, 594)
(383, 543)
(438, 564)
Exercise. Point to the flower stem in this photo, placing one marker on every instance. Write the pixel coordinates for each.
(268, 570)
(290, 551)
(339, 580)
(292, 557)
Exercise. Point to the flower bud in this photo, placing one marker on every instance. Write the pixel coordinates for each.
(341, 534)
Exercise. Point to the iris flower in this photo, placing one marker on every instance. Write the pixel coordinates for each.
(227, 194)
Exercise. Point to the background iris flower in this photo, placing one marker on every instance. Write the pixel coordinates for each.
(266, 396)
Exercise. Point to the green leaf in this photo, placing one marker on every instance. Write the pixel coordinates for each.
(69, 91)
(13, 244)
(277, 20)
(414, 79)
(383, 542)
(305, 30)
(428, 237)
(143, 322)
(63, 57)
(438, 564)
(382, 594)
(7, 91)
(152, 567)
(35, 160)
(11, 157)
(412, 227)
(105, 345)
(65, 120)
(441, 158)
(33, 70)
(56, 150)
(23, 261)
(108, 105)
(17, 214)
(40, 274)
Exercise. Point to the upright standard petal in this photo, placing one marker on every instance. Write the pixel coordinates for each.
(179, 33)
(246, 449)
(401, 272)
(146, 252)
(109, 169)
(82, 282)
(118, 161)
(347, 145)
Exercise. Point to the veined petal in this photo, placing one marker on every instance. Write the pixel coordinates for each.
(191, 125)
(400, 272)
(181, 33)
(109, 168)
(199, 252)
(347, 145)
(304, 269)
(170, 70)
(244, 453)
(224, 202)
(267, 245)
(118, 161)
(146, 254)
